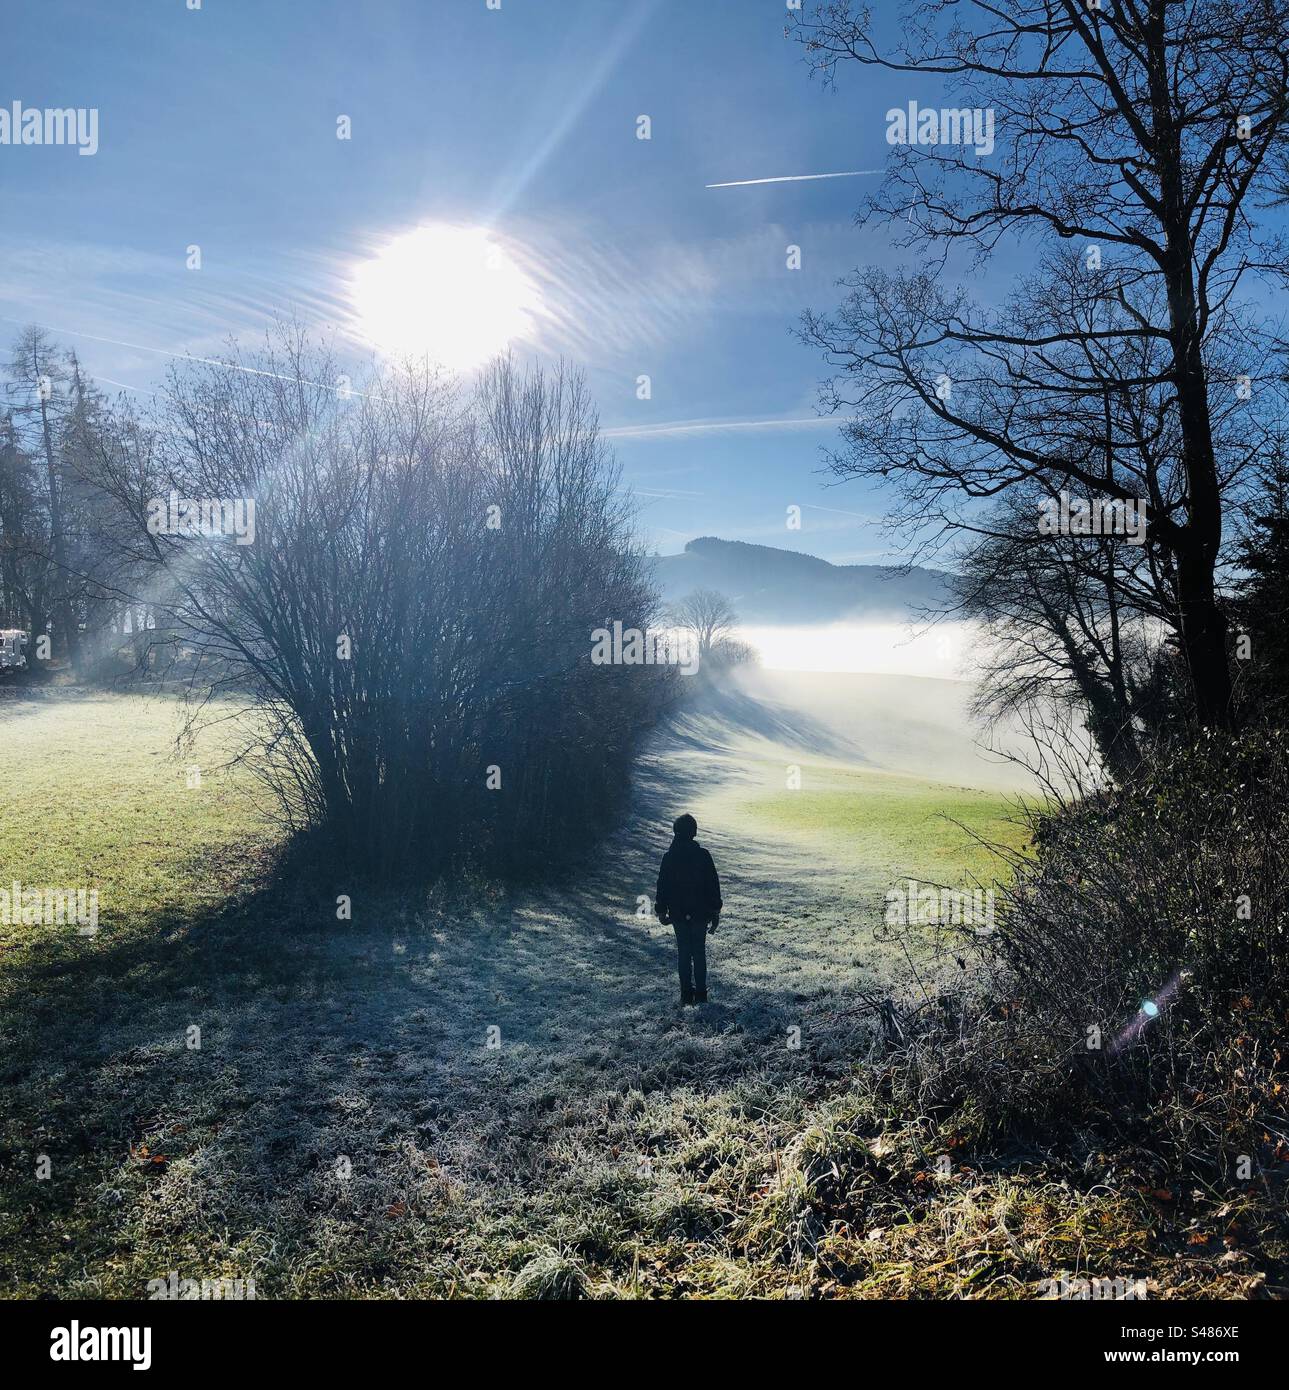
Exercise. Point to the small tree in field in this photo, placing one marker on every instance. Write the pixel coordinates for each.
(708, 615)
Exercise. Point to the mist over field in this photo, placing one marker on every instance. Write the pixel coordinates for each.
(947, 651)
(916, 724)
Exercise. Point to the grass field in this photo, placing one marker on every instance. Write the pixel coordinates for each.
(894, 827)
(97, 794)
(472, 1094)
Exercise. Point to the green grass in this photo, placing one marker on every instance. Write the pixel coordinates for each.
(345, 1131)
(895, 827)
(96, 796)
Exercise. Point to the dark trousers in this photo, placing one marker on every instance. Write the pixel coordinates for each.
(691, 955)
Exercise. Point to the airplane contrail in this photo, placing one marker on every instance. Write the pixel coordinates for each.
(685, 427)
(795, 178)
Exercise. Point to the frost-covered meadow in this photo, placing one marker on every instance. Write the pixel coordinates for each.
(468, 1093)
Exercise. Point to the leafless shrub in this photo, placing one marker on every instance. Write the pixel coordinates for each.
(1137, 980)
(412, 621)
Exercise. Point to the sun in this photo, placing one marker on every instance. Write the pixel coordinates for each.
(453, 294)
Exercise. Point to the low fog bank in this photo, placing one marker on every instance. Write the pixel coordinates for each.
(917, 725)
(948, 651)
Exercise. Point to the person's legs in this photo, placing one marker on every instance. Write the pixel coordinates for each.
(700, 961)
(685, 961)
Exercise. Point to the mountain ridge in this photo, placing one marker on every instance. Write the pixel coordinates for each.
(769, 585)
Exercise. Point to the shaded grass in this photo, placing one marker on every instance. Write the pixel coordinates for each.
(344, 1130)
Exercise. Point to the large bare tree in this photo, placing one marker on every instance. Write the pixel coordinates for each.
(1137, 136)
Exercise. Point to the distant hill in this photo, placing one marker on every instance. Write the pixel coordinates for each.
(767, 585)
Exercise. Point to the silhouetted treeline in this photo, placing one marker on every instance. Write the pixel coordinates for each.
(1138, 150)
(65, 563)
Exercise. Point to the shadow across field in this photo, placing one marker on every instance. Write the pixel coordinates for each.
(720, 716)
(355, 1106)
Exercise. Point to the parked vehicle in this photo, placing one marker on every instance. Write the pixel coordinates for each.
(13, 649)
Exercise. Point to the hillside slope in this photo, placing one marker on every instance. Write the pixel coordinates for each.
(912, 725)
(768, 585)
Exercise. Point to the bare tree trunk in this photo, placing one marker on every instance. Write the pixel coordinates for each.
(65, 633)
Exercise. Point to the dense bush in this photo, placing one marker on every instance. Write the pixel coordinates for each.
(413, 620)
(1136, 982)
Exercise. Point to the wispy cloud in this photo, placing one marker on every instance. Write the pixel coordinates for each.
(130, 303)
(176, 356)
(680, 428)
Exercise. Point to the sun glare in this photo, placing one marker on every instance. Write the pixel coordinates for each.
(454, 294)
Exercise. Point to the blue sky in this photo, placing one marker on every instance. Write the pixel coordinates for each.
(218, 128)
